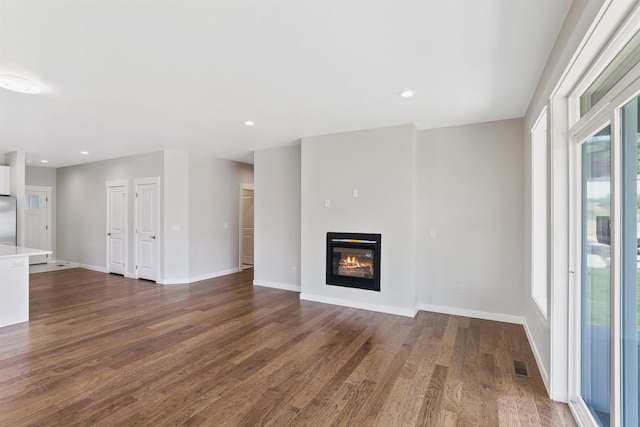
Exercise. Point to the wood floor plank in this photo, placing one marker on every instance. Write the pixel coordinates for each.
(104, 350)
(430, 410)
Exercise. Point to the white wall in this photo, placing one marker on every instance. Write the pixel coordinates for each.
(214, 212)
(277, 217)
(465, 183)
(470, 219)
(81, 206)
(45, 177)
(379, 163)
(198, 194)
(16, 161)
(174, 253)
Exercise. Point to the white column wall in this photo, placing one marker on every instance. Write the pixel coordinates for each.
(277, 217)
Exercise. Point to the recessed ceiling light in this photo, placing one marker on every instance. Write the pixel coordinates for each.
(249, 123)
(18, 84)
(406, 93)
(44, 161)
(84, 152)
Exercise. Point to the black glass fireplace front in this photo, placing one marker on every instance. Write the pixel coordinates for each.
(353, 260)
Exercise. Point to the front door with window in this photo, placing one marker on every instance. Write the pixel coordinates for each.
(36, 223)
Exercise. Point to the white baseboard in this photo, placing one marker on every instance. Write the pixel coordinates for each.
(192, 279)
(75, 264)
(485, 315)
(536, 354)
(406, 312)
(283, 286)
(213, 275)
(61, 261)
(93, 267)
(182, 281)
(130, 276)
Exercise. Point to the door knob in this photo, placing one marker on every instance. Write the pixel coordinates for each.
(153, 237)
(108, 234)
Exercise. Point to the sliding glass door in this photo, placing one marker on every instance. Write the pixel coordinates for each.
(596, 275)
(604, 115)
(610, 268)
(630, 287)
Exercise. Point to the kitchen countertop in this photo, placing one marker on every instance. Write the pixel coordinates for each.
(10, 251)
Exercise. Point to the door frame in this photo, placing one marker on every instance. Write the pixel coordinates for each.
(240, 213)
(108, 185)
(136, 183)
(48, 190)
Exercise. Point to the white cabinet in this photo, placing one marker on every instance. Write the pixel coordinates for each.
(5, 177)
(14, 290)
(14, 283)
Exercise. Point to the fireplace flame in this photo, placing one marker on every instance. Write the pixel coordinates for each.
(354, 266)
(351, 262)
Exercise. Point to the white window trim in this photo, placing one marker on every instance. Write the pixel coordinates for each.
(541, 302)
(620, 38)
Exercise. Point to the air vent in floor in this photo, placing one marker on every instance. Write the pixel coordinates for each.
(520, 368)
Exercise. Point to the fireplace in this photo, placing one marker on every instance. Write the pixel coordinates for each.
(353, 260)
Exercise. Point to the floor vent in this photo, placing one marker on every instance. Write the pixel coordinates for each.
(521, 368)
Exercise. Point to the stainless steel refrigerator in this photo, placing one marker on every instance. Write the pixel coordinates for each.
(7, 220)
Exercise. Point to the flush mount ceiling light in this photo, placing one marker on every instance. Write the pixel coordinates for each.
(84, 152)
(406, 93)
(18, 84)
(249, 123)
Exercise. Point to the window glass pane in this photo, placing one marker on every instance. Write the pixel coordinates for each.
(631, 263)
(628, 57)
(596, 275)
(35, 203)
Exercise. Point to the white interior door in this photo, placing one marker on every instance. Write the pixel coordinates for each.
(147, 228)
(36, 216)
(117, 229)
(246, 224)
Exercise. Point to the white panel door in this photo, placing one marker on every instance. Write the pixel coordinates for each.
(147, 230)
(36, 226)
(117, 229)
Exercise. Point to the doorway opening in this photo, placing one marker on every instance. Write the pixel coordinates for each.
(246, 226)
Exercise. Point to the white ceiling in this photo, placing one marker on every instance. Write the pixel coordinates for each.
(122, 77)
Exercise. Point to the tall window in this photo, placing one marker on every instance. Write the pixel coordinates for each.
(539, 194)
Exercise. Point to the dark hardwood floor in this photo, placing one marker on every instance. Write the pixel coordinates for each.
(103, 350)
